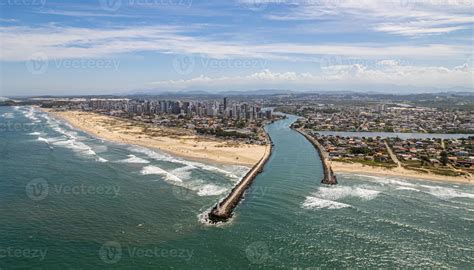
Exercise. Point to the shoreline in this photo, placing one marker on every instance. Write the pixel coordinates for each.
(329, 178)
(356, 168)
(176, 142)
(223, 210)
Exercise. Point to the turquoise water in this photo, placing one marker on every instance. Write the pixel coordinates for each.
(68, 200)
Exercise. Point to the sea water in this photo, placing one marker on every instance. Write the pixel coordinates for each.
(69, 200)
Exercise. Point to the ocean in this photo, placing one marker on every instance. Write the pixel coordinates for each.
(69, 200)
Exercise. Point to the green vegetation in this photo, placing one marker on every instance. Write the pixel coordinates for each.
(368, 163)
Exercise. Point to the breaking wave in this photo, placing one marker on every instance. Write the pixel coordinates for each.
(211, 190)
(318, 203)
(149, 170)
(68, 139)
(446, 193)
(182, 177)
(407, 188)
(326, 197)
(134, 159)
(339, 192)
(164, 157)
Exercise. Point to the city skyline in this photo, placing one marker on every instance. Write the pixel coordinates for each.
(116, 47)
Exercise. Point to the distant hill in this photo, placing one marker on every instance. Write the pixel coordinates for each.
(261, 92)
(387, 89)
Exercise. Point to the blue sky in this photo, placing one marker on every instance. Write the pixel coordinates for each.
(119, 46)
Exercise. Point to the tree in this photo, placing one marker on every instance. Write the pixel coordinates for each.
(444, 158)
(424, 160)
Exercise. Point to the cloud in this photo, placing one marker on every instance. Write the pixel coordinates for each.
(398, 17)
(19, 43)
(387, 72)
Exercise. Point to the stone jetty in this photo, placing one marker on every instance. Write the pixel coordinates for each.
(224, 209)
(329, 176)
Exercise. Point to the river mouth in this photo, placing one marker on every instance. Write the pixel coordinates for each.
(286, 220)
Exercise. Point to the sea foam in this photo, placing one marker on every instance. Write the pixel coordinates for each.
(149, 170)
(164, 157)
(447, 193)
(339, 192)
(134, 160)
(318, 203)
(69, 139)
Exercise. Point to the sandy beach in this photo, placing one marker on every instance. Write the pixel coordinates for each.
(179, 142)
(356, 168)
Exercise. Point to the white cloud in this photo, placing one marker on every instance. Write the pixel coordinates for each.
(20, 43)
(399, 17)
(387, 72)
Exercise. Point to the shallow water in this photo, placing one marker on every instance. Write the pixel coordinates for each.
(85, 203)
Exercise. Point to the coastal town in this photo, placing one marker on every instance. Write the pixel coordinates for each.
(445, 157)
(219, 118)
(383, 117)
(372, 125)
